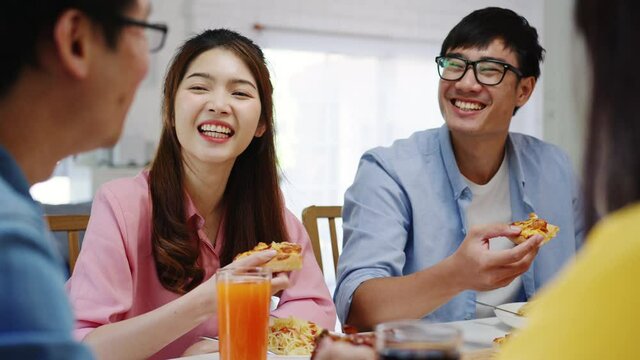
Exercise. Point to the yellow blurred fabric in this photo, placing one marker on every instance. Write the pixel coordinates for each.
(592, 310)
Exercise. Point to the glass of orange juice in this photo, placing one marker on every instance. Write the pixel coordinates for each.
(244, 294)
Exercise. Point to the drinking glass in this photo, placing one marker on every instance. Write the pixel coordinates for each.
(417, 340)
(243, 312)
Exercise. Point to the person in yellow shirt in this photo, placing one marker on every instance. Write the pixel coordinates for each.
(592, 310)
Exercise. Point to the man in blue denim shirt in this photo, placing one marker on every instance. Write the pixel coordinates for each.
(68, 73)
(416, 239)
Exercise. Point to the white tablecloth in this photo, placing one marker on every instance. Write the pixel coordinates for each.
(476, 334)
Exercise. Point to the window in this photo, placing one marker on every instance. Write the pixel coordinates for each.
(331, 107)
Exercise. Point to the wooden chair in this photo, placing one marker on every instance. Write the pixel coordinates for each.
(310, 217)
(73, 225)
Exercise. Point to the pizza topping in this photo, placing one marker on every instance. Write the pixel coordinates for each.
(288, 256)
(283, 249)
(533, 226)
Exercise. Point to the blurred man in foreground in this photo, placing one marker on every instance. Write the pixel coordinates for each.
(68, 73)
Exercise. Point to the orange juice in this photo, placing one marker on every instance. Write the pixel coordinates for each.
(243, 315)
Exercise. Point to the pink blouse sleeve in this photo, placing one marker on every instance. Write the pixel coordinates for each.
(100, 288)
(308, 296)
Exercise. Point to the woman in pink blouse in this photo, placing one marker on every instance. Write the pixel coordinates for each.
(143, 285)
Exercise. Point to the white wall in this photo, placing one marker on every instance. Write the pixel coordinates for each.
(144, 122)
(566, 81)
(416, 19)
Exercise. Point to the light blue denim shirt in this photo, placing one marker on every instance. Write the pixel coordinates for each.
(406, 212)
(35, 316)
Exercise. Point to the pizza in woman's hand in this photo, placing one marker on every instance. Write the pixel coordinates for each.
(535, 226)
(288, 256)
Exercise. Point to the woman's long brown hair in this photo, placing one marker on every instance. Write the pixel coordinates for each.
(612, 163)
(252, 202)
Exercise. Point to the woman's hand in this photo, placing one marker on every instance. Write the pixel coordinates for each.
(279, 282)
(207, 291)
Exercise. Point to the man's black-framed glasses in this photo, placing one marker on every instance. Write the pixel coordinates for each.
(487, 72)
(155, 33)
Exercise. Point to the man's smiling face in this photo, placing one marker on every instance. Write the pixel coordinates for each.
(471, 108)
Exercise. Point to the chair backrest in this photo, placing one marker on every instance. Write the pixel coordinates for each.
(73, 225)
(310, 217)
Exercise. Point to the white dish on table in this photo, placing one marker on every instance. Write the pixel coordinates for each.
(512, 320)
(216, 356)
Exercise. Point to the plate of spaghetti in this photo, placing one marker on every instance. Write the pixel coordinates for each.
(292, 336)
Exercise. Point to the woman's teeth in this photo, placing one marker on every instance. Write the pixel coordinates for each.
(215, 131)
(215, 135)
(215, 128)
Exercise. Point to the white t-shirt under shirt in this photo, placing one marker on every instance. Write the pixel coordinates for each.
(491, 203)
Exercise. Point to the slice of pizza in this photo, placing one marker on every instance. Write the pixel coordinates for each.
(357, 339)
(288, 256)
(533, 226)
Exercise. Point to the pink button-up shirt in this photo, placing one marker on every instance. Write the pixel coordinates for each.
(115, 276)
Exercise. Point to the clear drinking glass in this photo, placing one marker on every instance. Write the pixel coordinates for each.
(243, 312)
(417, 340)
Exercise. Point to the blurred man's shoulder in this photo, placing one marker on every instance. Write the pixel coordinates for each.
(14, 204)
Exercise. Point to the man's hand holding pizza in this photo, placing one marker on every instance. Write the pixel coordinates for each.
(482, 269)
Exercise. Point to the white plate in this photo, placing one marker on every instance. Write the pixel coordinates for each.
(510, 319)
(216, 356)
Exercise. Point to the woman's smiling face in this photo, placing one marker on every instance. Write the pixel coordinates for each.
(217, 108)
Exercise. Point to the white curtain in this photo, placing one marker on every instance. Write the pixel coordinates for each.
(330, 108)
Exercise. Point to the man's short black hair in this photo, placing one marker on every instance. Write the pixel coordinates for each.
(24, 23)
(480, 28)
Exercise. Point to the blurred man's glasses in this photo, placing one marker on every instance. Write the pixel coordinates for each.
(487, 72)
(155, 33)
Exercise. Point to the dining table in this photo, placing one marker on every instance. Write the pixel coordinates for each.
(477, 341)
